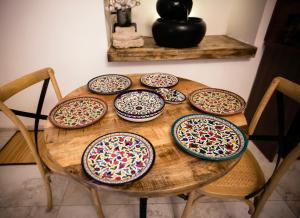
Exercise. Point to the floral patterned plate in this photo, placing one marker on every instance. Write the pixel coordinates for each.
(217, 101)
(171, 96)
(139, 103)
(139, 119)
(209, 137)
(77, 112)
(118, 158)
(109, 84)
(159, 80)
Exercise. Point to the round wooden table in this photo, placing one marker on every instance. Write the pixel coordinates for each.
(174, 172)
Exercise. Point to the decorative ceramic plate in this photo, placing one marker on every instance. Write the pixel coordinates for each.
(77, 112)
(217, 101)
(139, 103)
(171, 96)
(139, 118)
(209, 137)
(159, 80)
(109, 84)
(118, 158)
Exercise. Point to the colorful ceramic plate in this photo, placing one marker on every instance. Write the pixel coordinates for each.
(209, 137)
(171, 96)
(118, 158)
(139, 118)
(139, 103)
(77, 112)
(109, 84)
(159, 80)
(217, 101)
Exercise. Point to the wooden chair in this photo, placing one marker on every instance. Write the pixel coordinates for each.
(10, 89)
(246, 180)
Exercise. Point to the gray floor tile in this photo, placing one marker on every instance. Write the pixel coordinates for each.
(215, 210)
(76, 194)
(289, 187)
(161, 211)
(121, 211)
(276, 209)
(166, 200)
(38, 212)
(77, 212)
(23, 186)
(110, 198)
(110, 211)
(295, 207)
(117, 211)
(15, 212)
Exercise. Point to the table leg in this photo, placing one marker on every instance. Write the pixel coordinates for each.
(189, 205)
(143, 207)
(97, 202)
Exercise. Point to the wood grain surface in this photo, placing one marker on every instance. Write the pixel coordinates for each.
(211, 47)
(174, 172)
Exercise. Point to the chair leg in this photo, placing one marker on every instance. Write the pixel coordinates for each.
(47, 181)
(189, 205)
(259, 203)
(251, 206)
(97, 202)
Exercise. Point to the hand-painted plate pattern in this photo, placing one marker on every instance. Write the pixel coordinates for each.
(209, 137)
(118, 158)
(171, 96)
(77, 112)
(139, 102)
(109, 84)
(217, 101)
(139, 119)
(159, 80)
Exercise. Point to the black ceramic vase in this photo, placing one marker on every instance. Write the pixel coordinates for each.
(124, 17)
(174, 9)
(175, 29)
(178, 34)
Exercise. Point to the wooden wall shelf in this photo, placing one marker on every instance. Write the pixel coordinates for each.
(211, 47)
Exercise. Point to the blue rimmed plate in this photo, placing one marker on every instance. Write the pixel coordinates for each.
(209, 137)
(139, 105)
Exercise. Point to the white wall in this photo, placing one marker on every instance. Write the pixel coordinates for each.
(244, 19)
(70, 36)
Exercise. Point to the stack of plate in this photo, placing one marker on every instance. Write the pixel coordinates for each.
(139, 105)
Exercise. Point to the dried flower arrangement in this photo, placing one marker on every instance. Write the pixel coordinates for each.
(115, 5)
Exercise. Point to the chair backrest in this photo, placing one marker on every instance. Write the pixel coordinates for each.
(10, 89)
(291, 90)
(288, 88)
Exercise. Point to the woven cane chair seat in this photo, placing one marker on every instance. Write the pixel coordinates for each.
(242, 180)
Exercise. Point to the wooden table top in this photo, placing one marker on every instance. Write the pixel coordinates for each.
(174, 172)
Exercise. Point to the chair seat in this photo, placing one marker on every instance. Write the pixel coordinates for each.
(242, 180)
